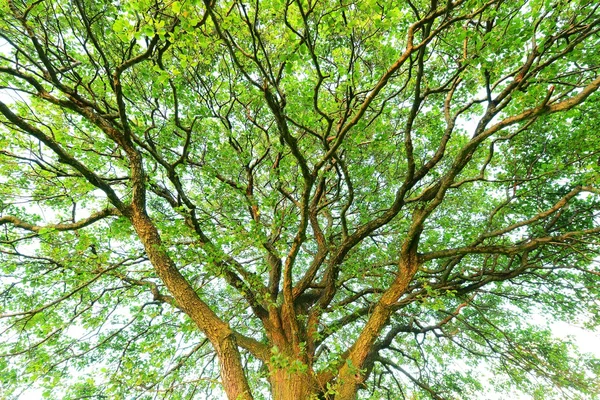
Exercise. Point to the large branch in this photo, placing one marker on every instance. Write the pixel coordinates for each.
(362, 346)
(477, 248)
(97, 216)
(63, 156)
(216, 330)
(411, 48)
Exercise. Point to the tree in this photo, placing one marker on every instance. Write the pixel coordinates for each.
(298, 199)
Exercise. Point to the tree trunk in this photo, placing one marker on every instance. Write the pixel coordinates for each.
(286, 385)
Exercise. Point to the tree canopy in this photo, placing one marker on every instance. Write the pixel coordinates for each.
(298, 199)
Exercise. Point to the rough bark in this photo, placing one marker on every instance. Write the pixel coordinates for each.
(218, 332)
(350, 377)
(286, 385)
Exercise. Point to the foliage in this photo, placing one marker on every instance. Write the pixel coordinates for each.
(298, 199)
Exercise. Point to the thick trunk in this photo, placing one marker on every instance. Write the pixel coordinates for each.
(287, 385)
(290, 374)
